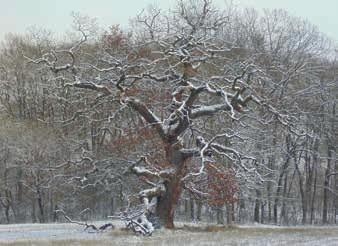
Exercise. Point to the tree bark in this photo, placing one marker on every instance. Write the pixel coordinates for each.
(167, 203)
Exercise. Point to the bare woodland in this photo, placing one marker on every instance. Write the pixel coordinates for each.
(197, 113)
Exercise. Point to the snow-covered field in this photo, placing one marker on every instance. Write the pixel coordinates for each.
(70, 234)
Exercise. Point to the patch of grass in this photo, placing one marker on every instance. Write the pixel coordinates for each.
(207, 228)
(70, 242)
(187, 234)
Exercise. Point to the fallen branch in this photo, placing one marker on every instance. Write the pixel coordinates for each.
(85, 224)
(136, 221)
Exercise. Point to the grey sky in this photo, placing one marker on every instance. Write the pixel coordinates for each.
(17, 15)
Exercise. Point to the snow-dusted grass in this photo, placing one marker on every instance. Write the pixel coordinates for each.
(192, 234)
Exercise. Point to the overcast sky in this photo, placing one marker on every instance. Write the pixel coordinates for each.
(17, 15)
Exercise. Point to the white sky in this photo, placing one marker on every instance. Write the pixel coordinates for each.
(17, 15)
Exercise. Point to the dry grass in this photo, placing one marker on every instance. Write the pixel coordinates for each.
(205, 228)
(188, 234)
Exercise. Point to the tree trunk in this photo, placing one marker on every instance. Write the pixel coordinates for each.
(33, 211)
(262, 212)
(40, 206)
(167, 203)
(192, 209)
(112, 205)
(242, 211)
(275, 206)
(326, 186)
(7, 214)
(315, 163)
(325, 198)
(257, 206)
(283, 215)
(271, 165)
(199, 211)
(283, 172)
(186, 209)
(220, 217)
(230, 213)
(55, 214)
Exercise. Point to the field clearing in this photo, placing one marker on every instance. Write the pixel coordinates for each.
(192, 234)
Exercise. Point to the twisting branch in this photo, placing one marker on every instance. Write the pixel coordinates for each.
(158, 188)
(185, 111)
(149, 24)
(52, 64)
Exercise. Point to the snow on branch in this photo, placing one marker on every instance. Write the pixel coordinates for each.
(51, 64)
(90, 86)
(142, 171)
(50, 59)
(208, 110)
(85, 224)
(147, 114)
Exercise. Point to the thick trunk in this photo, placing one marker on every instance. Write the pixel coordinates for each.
(167, 203)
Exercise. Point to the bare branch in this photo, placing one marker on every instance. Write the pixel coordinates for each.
(148, 115)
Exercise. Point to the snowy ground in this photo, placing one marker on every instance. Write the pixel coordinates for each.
(70, 234)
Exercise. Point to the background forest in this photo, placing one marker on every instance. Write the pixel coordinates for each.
(225, 116)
